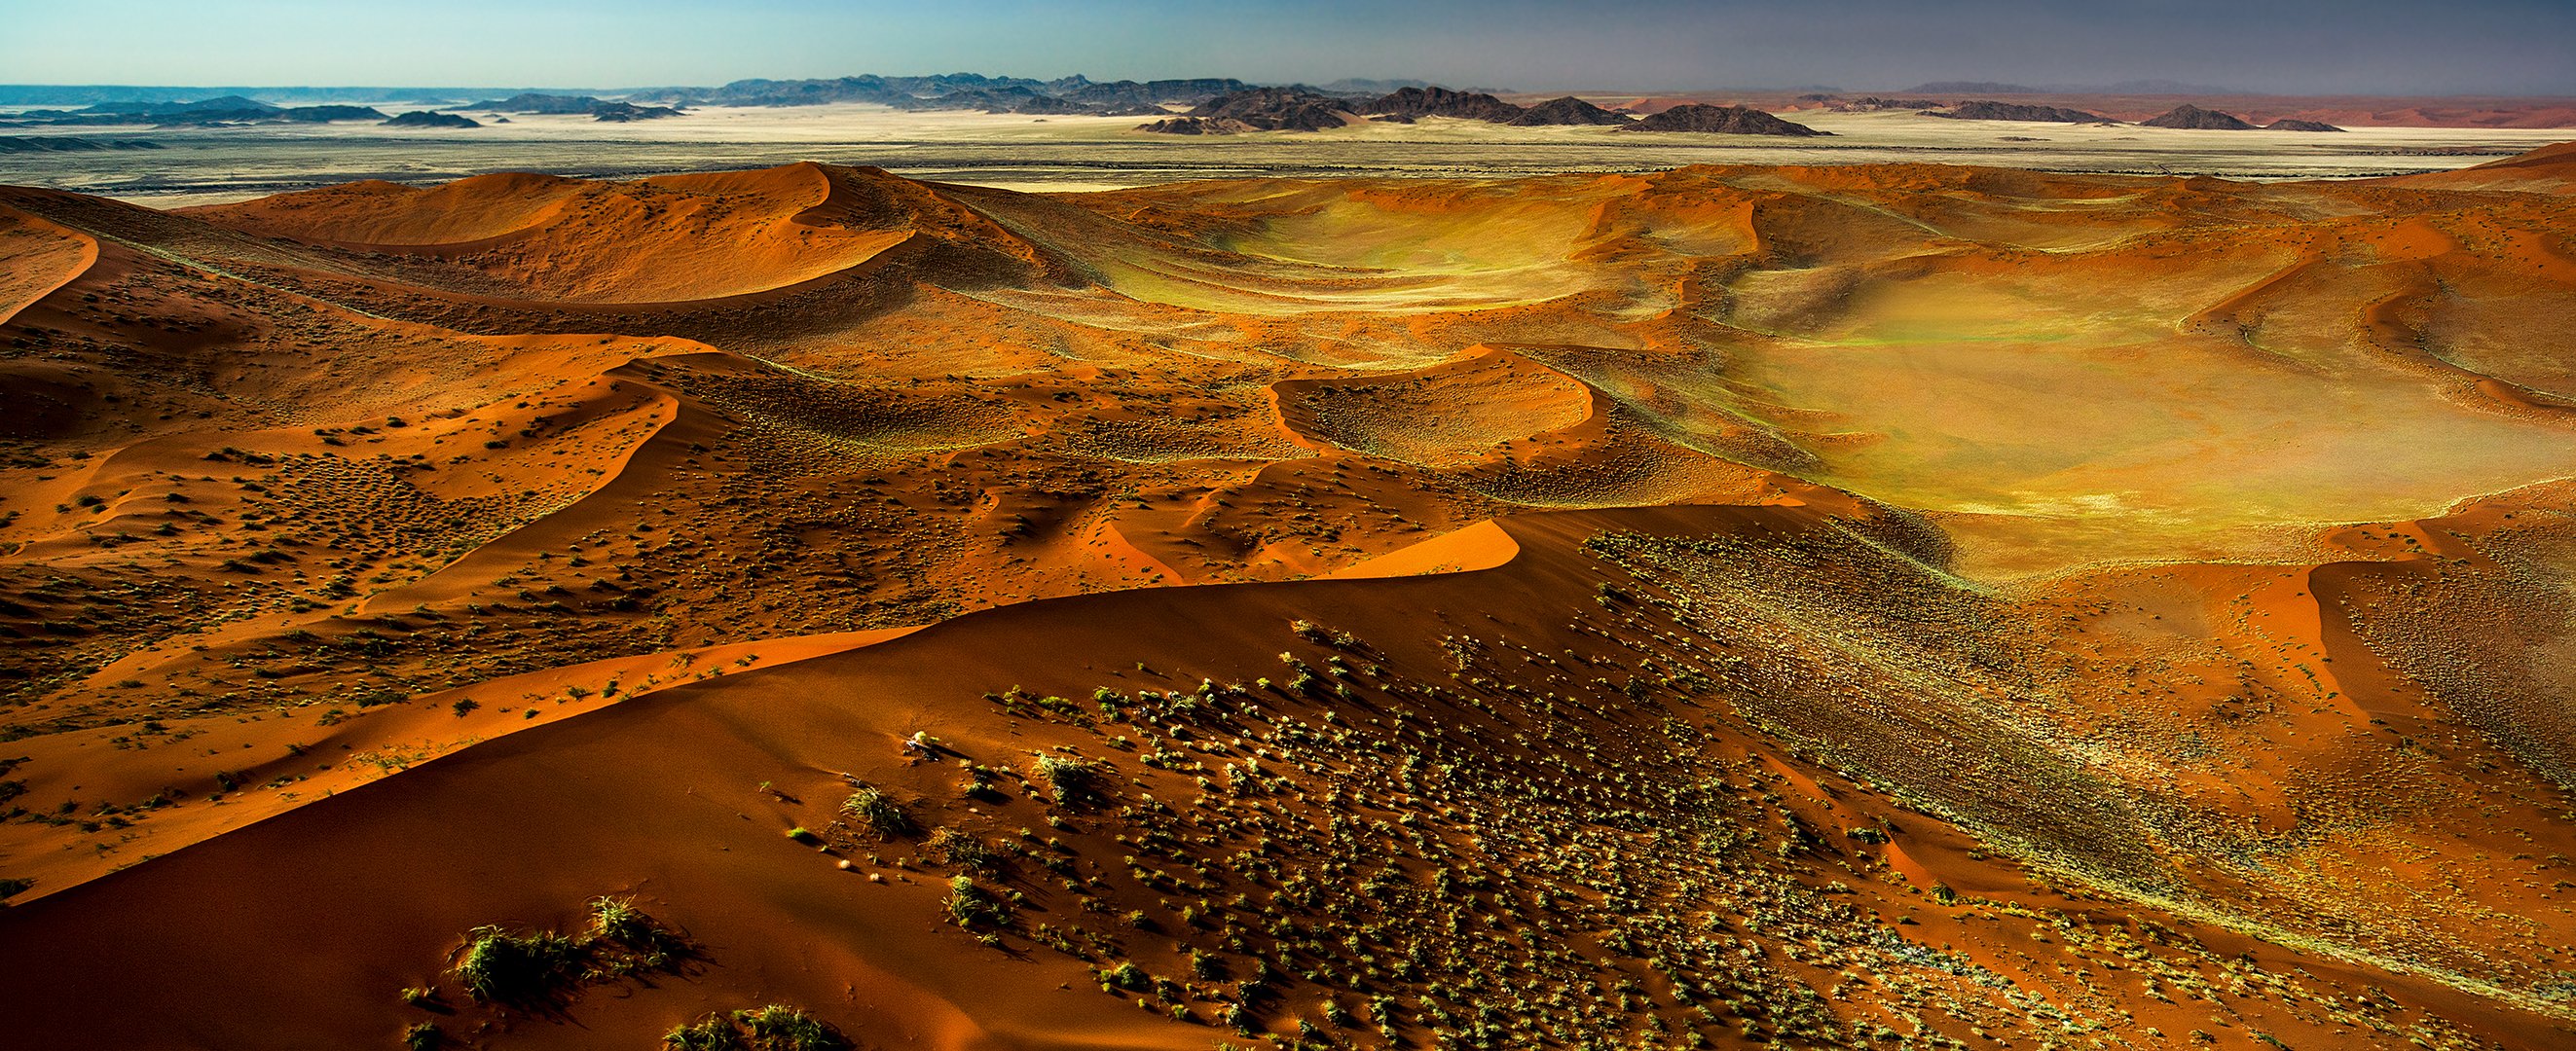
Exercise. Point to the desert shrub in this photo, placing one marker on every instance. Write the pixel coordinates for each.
(500, 966)
(618, 921)
(712, 1033)
(781, 1028)
(961, 849)
(426, 1036)
(880, 814)
(1069, 779)
(971, 905)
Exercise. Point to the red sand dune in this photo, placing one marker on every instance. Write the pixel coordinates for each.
(1807, 606)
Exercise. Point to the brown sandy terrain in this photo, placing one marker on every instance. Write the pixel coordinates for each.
(1876, 606)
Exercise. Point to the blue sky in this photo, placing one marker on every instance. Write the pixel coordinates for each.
(2354, 46)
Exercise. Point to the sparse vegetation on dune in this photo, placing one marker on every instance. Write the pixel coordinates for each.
(1959, 619)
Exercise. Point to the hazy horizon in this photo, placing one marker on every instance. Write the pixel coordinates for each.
(2370, 47)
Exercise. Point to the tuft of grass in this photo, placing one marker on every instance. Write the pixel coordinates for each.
(500, 966)
(972, 906)
(1069, 779)
(778, 1027)
(880, 814)
(1127, 976)
(616, 921)
(712, 1033)
(961, 849)
(426, 1036)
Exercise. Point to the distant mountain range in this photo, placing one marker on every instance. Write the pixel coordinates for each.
(2125, 87)
(1307, 109)
(1197, 105)
(222, 109)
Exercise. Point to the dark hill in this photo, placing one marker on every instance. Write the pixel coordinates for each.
(533, 102)
(427, 119)
(1262, 109)
(326, 114)
(1566, 111)
(1987, 109)
(2295, 124)
(1726, 120)
(69, 144)
(2194, 117)
(1869, 103)
(622, 112)
(226, 109)
(1406, 104)
(1155, 92)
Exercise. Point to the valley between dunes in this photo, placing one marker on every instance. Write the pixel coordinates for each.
(1871, 606)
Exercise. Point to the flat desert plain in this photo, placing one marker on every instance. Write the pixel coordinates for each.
(209, 165)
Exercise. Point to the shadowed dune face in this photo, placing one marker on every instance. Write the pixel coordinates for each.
(2058, 572)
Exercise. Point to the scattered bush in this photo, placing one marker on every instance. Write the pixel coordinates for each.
(712, 1033)
(880, 814)
(499, 966)
(781, 1028)
(973, 906)
(953, 847)
(1069, 779)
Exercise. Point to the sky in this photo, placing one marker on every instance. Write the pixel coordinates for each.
(2282, 46)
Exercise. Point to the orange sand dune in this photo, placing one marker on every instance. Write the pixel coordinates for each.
(2550, 169)
(679, 797)
(1795, 606)
(669, 238)
(37, 257)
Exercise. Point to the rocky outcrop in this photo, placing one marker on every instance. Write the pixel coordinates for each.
(537, 102)
(1261, 109)
(1987, 109)
(2195, 118)
(1566, 111)
(426, 119)
(1183, 126)
(1129, 93)
(226, 109)
(1724, 120)
(1873, 103)
(2295, 124)
(1408, 104)
(622, 112)
(69, 144)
